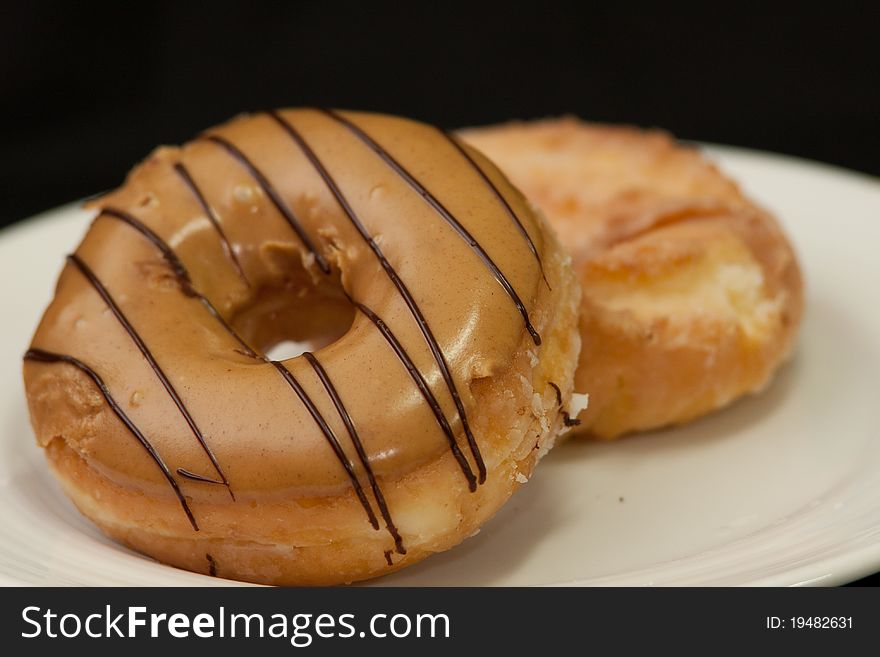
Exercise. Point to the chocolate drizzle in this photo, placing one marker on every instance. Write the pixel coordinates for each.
(179, 269)
(166, 383)
(212, 217)
(422, 385)
(358, 445)
(197, 477)
(510, 213)
(42, 356)
(431, 200)
(187, 287)
(330, 436)
(273, 195)
(171, 258)
(402, 288)
(212, 565)
(567, 420)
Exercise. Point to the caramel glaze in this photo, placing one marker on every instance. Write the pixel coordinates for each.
(422, 385)
(269, 190)
(86, 271)
(438, 206)
(398, 282)
(362, 455)
(211, 215)
(514, 217)
(414, 363)
(179, 269)
(331, 437)
(41, 356)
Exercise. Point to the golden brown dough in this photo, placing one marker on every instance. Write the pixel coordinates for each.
(692, 293)
(338, 229)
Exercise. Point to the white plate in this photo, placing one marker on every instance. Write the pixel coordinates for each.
(782, 488)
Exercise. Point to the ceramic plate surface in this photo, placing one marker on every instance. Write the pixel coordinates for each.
(781, 488)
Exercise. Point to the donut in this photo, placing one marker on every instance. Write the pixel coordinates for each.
(692, 294)
(438, 315)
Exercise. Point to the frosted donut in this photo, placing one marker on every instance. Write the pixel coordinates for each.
(692, 294)
(441, 319)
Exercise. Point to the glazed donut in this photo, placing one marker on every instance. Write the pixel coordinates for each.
(440, 316)
(692, 294)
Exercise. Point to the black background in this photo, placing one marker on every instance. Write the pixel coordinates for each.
(89, 89)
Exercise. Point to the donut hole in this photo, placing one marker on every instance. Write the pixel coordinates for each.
(299, 313)
(287, 349)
